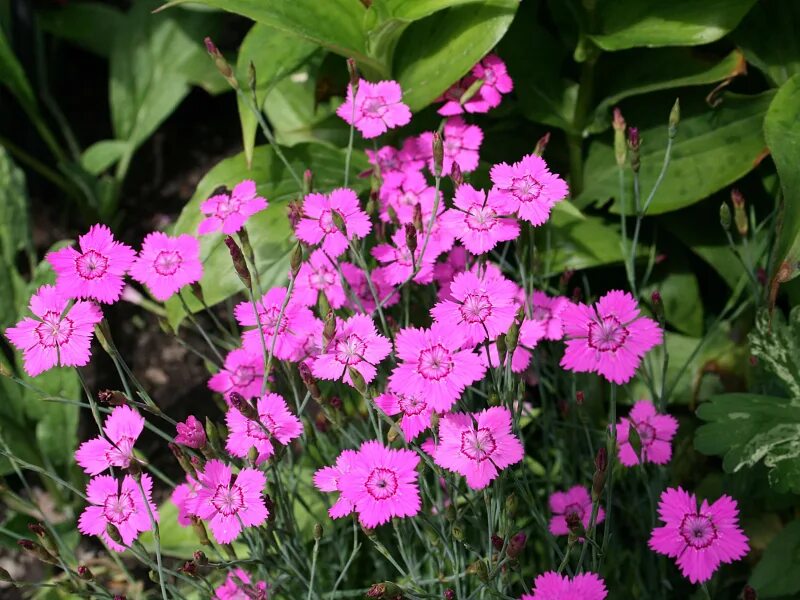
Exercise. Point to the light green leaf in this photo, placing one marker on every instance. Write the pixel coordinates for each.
(635, 23)
(103, 154)
(775, 341)
(14, 225)
(776, 574)
(91, 25)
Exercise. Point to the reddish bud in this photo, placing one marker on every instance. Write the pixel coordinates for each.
(438, 154)
(239, 263)
(576, 294)
(516, 545)
(748, 593)
(111, 397)
(579, 397)
(243, 406)
(456, 175)
(84, 573)
(541, 145)
(497, 542)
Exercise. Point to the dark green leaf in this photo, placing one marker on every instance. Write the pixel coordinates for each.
(680, 293)
(91, 25)
(103, 154)
(776, 574)
(14, 236)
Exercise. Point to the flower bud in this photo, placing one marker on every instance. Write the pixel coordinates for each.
(457, 532)
(449, 594)
(45, 539)
(338, 221)
(212, 434)
(182, 459)
(309, 381)
(748, 593)
(516, 545)
(385, 591)
(197, 292)
(308, 182)
(114, 534)
(352, 71)
(318, 531)
(634, 144)
(479, 569)
(252, 457)
(579, 397)
(239, 263)
(329, 329)
(512, 337)
(416, 220)
(620, 147)
(438, 154)
(200, 558)
(199, 530)
(456, 175)
(243, 406)
(411, 239)
(635, 440)
(512, 504)
(111, 398)
(599, 477)
(725, 216)
(191, 433)
(84, 573)
(392, 215)
(222, 65)
(189, 568)
(674, 118)
(37, 551)
(297, 259)
(541, 144)
(394, 433)
(294, 212)
(358, 380)
(739, 213)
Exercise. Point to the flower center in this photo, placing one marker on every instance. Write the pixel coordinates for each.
(542, 313)
(375, 107)
(435, 362)
(167, 262)
(382, 483)
(243, 375)
(321, 278)
(574, 509)
(326, 221)
(91, 265)
(452, 146)
(526, 189)
(607, 334)
(411, 405)
(647, 433)
(227, 207)
(228, 501)
(53, 330)
(408, 199)
(256, 430)
(698, 531)
(270, 320)
(481, 218)
(350, 350)
(118, 509)
(478, 445)
(121, 454)
(476, 308)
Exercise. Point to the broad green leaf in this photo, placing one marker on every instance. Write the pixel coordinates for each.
(782, 131)
(776, 574)
(275, 54)
(14, 236)
(91, 25)
(437, 51)
(713, 148)
(103, 154)
(680, 294)
(270, 231)
(775, 341)
(747, 429)
(635, 23)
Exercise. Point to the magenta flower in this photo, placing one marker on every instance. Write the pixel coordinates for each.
(529, 188)
(357, 280)
(405, 194)
(311, 343)
(415, 411)
(378, 107)
(461, 144)
(655, 433)
(165, 264)
(121, 505)
(318, 226)
(701, 539)
(433, 365)
(478, 445)
(275, 422)
(397, 261)
(230, 212)
(480, 307)
(547, 310)
(382, 483)
(290, 331)
(228, 503)
(238, 586)
(328, 479)
(609, 338)
(496, 82)
(190, 433)
(445, 271)
(356, 344)
(478, 221)
(553, 586)
(183, 497)
(243, 372)
(575, 501)
(452, 99)
(97, 271)
(318, 274)
(115, 448)
(59, 335)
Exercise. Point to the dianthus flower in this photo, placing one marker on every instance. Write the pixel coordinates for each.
(318, 274)
(328, 479)
(311, 343)
(275, 422)
(190, 433)
(461, 143)
(496, 82)
(553, 586)
(529, 188)
(165, 264)
(243, 373)
(357, 280)
(121, 505)
(575, 501)
(357, 345)
(444, 271)
(478, 445)
(228, 503)
(415, 411)
(115, 448)
(478, 221)
(701, 539)
(410, 191)
(382, 484)
(230, 211)
(547, 310)
(655, 434)
(97, 271)
(58, 335)
(433, 365)
(183, 497)
(318, 225)
(238, 586)
(378, 107)
(609, 338)
(397, 261)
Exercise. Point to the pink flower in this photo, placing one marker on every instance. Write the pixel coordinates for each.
(577, 501)
(122, 506)
(97, 271)
(480, 307)
(529, 188)
(357, 280)
(239, 587)
(434, 366)
(190, 433)
(243, 372)
(290, 331)
(318, 274)
(452, 99)
(275, 422)
(445, 271)
(609, 338)
(378, 107)
(477, 220)
(328, 479)
(319, 227)
(228, 505)
(59, 335)
(356, 345)
(411, 190)
(382, 483)
(547, 310)
(311, 343)
(415, 410)
(496, 82)
(701, 539)
(461, 144)
(231, 211)
(165, 264)
(398, 264)
(552, 586)
(655, 433)
(478, 445)
(183, 497)
(115, 449)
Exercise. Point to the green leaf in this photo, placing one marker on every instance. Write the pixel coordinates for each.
(713, 149)
(270, 231)
(634, 23)
(776, 344)
(103, 154)
(747, 429)
(437, 51)
(680, 294)
(782, 131)
(275, 55)
(91, 25)
(14, 222)
(776, 573)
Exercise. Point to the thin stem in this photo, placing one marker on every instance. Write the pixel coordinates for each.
(313, 569)
(349, 153)
(156, 539)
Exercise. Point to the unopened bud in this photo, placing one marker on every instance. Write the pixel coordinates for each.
(241, 404)
(541, 144)
(111, 398)
(329, 328)
(84, 573)
(674, 118)
(45, 539)
(358, 380)
(338, 221)
(620, 146)
(200, 558)
(502, 347)
(222, 65)
(456, 175)
(579, 397)
(479, 569)
(309, 381)
(182, 459)
(739, 212)
(113, 533)
(385, 591)
(394, 433)
(416, 219)
(37, 551)
(252, 457)
(297, 259)
(189, 568)
(352, 71)
(516, 545)
(497, 542)
(308, 182)
(634, 144)
(512, 504)
(239, 263)
(599, 477)
(199, 530)
(457, 532)
(725, 216)
(635, 440)
(577, 294)
(438, 154)
(318, 531)
(411, 238)
(212, 433)
(748, 593)
(512, 337)
(449, 594)
(658, 306)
